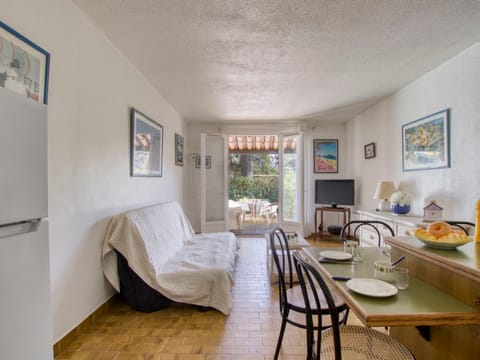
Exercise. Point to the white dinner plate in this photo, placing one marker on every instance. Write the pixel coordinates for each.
(335, 255)
(371, 287)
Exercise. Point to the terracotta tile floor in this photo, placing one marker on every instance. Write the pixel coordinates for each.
(182, 332)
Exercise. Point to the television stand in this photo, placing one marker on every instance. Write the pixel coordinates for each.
(345, 211)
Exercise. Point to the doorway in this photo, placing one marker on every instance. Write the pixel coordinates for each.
(263, 185)
(253, 168)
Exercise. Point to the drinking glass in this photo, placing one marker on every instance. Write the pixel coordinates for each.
(401, 278)
(352, 247)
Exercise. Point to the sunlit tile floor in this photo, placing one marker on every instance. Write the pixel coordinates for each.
(182, 332)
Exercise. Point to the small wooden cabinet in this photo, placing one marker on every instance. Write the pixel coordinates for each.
(400, 224)
(343, 210)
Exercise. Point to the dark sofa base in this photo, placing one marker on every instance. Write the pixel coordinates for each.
(136, 292)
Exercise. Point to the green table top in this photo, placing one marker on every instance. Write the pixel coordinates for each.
(420, 304)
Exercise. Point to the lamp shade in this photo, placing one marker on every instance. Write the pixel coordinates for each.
(384, 190)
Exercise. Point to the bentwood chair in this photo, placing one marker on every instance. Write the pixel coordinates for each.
(290, 295)
(374, 225)
(348, 342)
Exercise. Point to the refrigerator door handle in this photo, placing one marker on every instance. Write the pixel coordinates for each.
(21, 227)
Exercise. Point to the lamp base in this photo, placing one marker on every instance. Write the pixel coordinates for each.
(384, 205)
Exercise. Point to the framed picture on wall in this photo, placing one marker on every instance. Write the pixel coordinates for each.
(208, 161)
(369, 151)
(146, 146)
(24, 65)
(178, 150)
(426, 142)
(325, 156)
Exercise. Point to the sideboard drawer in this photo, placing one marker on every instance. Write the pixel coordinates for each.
(399, 224)
(403, 230)
(368, 237)
(384, 230)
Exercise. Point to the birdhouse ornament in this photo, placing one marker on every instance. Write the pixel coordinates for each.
(432, 212)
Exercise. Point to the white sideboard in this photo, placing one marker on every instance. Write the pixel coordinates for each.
(400, 225)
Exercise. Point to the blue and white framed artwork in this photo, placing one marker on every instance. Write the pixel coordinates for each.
(24, 65)
(426, 142)
(325, 156)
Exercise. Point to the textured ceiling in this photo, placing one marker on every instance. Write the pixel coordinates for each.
(251, 60)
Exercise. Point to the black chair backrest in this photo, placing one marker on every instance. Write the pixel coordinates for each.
(365, 223)
(283, 263)
(463, 225)
(312, 282)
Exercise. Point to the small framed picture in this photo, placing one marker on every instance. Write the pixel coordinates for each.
(198, 161)
(369, 150)
(24, 65)
(178, 150)
(146, 146)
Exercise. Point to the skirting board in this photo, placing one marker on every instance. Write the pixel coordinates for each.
(63, 344)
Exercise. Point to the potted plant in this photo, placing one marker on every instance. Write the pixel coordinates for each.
(400, 202)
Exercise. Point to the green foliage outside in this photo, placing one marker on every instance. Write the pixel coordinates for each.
(263, 184)
(263, 164)
(264, 187)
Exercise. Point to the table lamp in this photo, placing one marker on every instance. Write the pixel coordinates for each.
(383, 192)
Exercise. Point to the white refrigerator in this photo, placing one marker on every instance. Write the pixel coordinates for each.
(25, 305)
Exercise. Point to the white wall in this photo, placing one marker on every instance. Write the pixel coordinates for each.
(92, 87)
(325, 131)
(454, 85)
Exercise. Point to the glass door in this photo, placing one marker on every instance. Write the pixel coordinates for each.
(291, 182)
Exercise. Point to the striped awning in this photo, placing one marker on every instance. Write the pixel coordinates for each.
(249, 144)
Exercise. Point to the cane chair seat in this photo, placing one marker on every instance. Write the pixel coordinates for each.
(363, 343)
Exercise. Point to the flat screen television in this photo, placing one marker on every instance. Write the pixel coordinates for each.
(335, 192)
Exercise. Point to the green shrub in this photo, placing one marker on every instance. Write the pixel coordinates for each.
(265, 187)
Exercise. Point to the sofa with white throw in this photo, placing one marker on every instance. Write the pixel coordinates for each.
(152, 257)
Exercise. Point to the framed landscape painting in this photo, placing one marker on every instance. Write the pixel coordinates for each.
(24, 65)
(426, 142)
(325, 156)
(146, 146)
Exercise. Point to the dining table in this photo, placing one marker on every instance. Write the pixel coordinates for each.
(423, 306)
